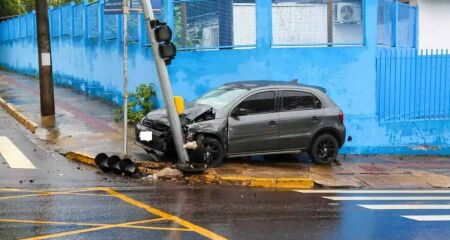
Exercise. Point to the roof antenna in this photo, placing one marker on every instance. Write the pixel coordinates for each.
(294, 81)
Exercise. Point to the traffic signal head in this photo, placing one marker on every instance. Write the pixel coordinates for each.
(163, 33)
(167, 51)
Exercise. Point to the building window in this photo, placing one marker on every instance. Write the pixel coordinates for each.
(317, 22)
(213, 24)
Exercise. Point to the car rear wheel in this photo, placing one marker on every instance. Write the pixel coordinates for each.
(324, 149)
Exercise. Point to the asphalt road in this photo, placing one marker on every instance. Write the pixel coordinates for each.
(61, 199)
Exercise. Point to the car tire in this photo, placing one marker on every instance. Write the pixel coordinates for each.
(324, 149)
(210, 153)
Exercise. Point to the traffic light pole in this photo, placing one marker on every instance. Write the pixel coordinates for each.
(163, 75)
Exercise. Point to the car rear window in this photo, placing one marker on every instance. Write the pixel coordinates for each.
(299, 100)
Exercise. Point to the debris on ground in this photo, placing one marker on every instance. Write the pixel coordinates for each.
(150, 177)
(169, 173)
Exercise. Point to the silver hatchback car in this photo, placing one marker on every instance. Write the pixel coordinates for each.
(252, 118)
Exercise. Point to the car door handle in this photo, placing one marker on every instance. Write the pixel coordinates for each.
(272, 123)
(315, 119)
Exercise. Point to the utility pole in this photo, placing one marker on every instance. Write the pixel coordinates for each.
(126, 11)
(330, 16)
(163, 75)
(45, 60)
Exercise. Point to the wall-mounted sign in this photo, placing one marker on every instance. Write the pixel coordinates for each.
(113, 7)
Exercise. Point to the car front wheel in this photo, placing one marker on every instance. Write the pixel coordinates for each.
(210, 153)
(324, 149)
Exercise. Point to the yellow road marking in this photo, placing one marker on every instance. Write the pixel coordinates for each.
(189, 225)
(62, 234)
(97, 227)
(98, 224)
(16, 190)
(51, 190)
(39, 194)
(13, 156)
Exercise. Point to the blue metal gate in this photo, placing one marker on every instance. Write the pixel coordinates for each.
(413, 84)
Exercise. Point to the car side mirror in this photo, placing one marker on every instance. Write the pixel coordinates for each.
(240, 112)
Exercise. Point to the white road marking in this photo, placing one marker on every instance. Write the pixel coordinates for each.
(13, 156)
(406, 206)
(428, 218)
(373, 191)
(408, 198)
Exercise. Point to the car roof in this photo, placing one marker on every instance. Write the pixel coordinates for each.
(267, 83)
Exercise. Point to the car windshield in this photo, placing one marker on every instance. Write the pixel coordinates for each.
(221, 96)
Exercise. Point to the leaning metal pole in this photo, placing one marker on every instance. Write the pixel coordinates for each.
(163, 75)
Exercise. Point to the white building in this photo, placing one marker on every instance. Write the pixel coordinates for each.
(434, 23)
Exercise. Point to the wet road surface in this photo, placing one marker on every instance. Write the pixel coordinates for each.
(64, 200)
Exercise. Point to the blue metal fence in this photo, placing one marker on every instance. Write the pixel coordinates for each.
(78, 16)
(55, 22)
(77, 20)
(386, 9)
(66, 20)
(110, 27)
(397, 24)
(413, 85)
(406, 25)
(213, 24)
(93, 20)
(133, 28)
(306, 23)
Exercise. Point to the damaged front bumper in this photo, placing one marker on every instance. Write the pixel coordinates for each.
(161, 142)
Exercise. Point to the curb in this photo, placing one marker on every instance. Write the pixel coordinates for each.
(15, 113)
(212, 177)
(276, 183)
(80, 157)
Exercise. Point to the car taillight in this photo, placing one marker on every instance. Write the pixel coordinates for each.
(341, 117)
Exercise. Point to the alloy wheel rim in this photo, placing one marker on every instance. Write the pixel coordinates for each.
(326, 149)
(210, 153)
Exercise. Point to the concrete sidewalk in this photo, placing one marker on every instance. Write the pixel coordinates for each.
(83, 124)
(353, 171)
(86, 126)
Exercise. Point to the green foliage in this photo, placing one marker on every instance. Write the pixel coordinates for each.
(140, 102)
(17, 7)
(10, 8)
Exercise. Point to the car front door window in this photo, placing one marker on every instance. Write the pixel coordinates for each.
(263, 102)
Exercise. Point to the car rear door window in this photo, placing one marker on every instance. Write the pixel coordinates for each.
(263, 102)
(298, 100)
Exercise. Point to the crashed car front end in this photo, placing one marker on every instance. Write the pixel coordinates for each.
(161, 138)
(196, 121)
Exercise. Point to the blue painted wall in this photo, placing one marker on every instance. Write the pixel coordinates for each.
(94, 66)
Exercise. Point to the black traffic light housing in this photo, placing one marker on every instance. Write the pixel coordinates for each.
(163, 35)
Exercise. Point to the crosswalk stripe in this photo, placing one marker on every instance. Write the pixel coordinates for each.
(373, 191)
(428, 218)
(13, 156)
(405, 207)
(409, 198)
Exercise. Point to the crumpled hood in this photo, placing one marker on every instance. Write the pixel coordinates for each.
(191, 110)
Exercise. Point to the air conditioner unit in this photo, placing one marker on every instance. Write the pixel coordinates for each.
(347, 13)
